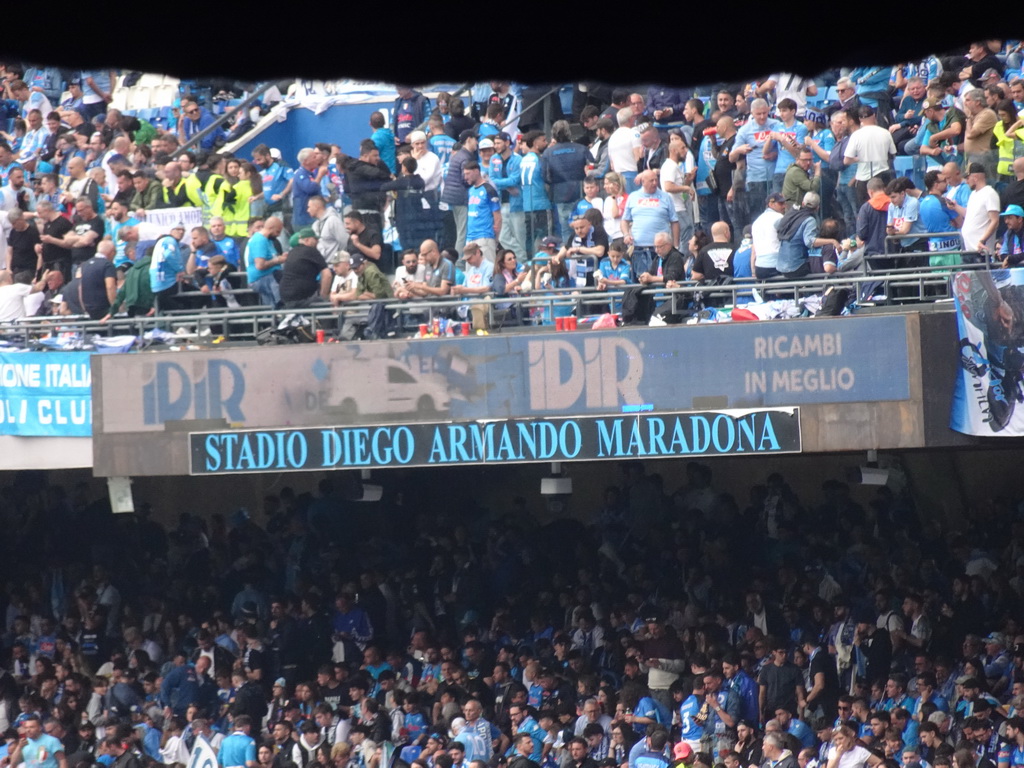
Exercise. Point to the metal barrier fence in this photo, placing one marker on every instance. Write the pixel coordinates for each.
(913, 286)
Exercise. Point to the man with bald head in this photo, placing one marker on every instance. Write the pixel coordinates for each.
(715, 258)
(80, 184)
(668, 265)
(175, 192)
(649, 210)
(957, 188)
(438, 273)
(53, 247)
(97, 281)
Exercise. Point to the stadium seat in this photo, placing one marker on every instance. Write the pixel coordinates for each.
(129, 112)
(138, 97)
(817, 100)
(164, 95)
(150, 81)
(831, 94)
(1011, 74)
(149, 113)
(118, 99)
(904, 165)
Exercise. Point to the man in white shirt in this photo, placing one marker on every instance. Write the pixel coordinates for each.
(411, 271)
(428, 165)
(345, 278)
(870, 147)
(13, 292)
(764, 238)
(625, 149)
(982, 216)
(789, 86)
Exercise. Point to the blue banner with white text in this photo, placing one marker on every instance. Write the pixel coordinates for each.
(45, 394)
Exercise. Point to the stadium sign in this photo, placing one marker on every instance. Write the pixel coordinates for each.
(586, 438)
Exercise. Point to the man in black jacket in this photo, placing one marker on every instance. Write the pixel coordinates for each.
(363, 179)
(872, 649)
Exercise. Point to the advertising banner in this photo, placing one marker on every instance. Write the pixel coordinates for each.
(988, 394)
(704, 433)
(45, 394)
(512, 376)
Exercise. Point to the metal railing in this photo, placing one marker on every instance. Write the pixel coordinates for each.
(920, 286)
(229, 113)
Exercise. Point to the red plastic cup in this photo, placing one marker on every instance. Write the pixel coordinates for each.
(423, 329)
(319, 336)
(559, 323)
(570, 323)
(465, 329)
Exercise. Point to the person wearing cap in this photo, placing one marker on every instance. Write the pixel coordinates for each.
(167, 269)
(997, 660)
(455, 192)
(1012, 246)
(981, 218)
(941, 130)
(870, 148)
(306, 278)
(370, 283)
(428, 164)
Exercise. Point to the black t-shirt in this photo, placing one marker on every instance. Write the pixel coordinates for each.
(70, 296)
(715, 260)
(92, 274)
(59, 227)
(301, 278)
(95, 224)
(23, 249)
(723, 168)
(368, 237)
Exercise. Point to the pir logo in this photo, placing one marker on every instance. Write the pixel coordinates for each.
(212, 389)
(560, 377)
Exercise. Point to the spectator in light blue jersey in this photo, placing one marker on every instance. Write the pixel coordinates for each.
(753, 142)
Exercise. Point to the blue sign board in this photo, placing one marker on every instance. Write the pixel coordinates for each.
(505, 441)
(45, 394)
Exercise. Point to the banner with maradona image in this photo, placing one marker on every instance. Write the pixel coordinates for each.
(988, 399)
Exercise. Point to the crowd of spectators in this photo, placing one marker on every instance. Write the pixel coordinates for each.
(683, 627)
(797, 176)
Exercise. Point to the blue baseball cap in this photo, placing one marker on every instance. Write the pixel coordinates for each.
(1013, 210)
